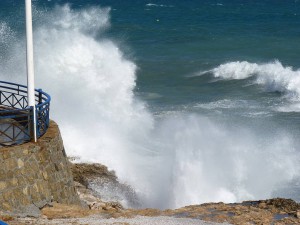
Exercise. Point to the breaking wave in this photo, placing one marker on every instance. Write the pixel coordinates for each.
(272, 76)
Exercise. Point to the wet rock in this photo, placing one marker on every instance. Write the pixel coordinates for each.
(104, 184)
(84, 172)
(95, 203)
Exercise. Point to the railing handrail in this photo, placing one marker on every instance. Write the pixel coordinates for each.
(13, 98)
(21, 85)
(46, 96)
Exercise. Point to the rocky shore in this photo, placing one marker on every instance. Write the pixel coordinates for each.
(95, 210)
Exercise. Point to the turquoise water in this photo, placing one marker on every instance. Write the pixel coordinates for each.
(204, 93)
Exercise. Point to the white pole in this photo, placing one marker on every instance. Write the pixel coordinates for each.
(30, 65)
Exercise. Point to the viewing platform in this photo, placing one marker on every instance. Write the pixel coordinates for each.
(16, 117)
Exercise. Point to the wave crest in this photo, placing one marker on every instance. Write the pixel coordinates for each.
(272, 76)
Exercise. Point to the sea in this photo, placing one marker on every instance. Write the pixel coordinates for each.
(187, 101)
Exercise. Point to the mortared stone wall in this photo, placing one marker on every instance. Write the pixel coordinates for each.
(33, 175)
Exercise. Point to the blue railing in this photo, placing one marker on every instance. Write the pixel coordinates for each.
(16, 117)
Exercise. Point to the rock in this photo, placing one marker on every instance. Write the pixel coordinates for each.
(95, 203)
(3, 185)
(5, 217)
(102, 184)
(83, 172)
(88, 198)
(29, 211)
(97, 206)
(262, 205)
(286, 205)
(65, 211)
(115, 205)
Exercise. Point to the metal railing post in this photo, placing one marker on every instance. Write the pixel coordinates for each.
(40, 96)
(30, 63)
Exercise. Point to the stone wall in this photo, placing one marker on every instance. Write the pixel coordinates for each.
(33, 175)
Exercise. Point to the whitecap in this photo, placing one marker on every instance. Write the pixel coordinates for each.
(158, 5)
(272, 76)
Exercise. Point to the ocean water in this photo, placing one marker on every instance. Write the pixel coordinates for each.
(188, 101)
